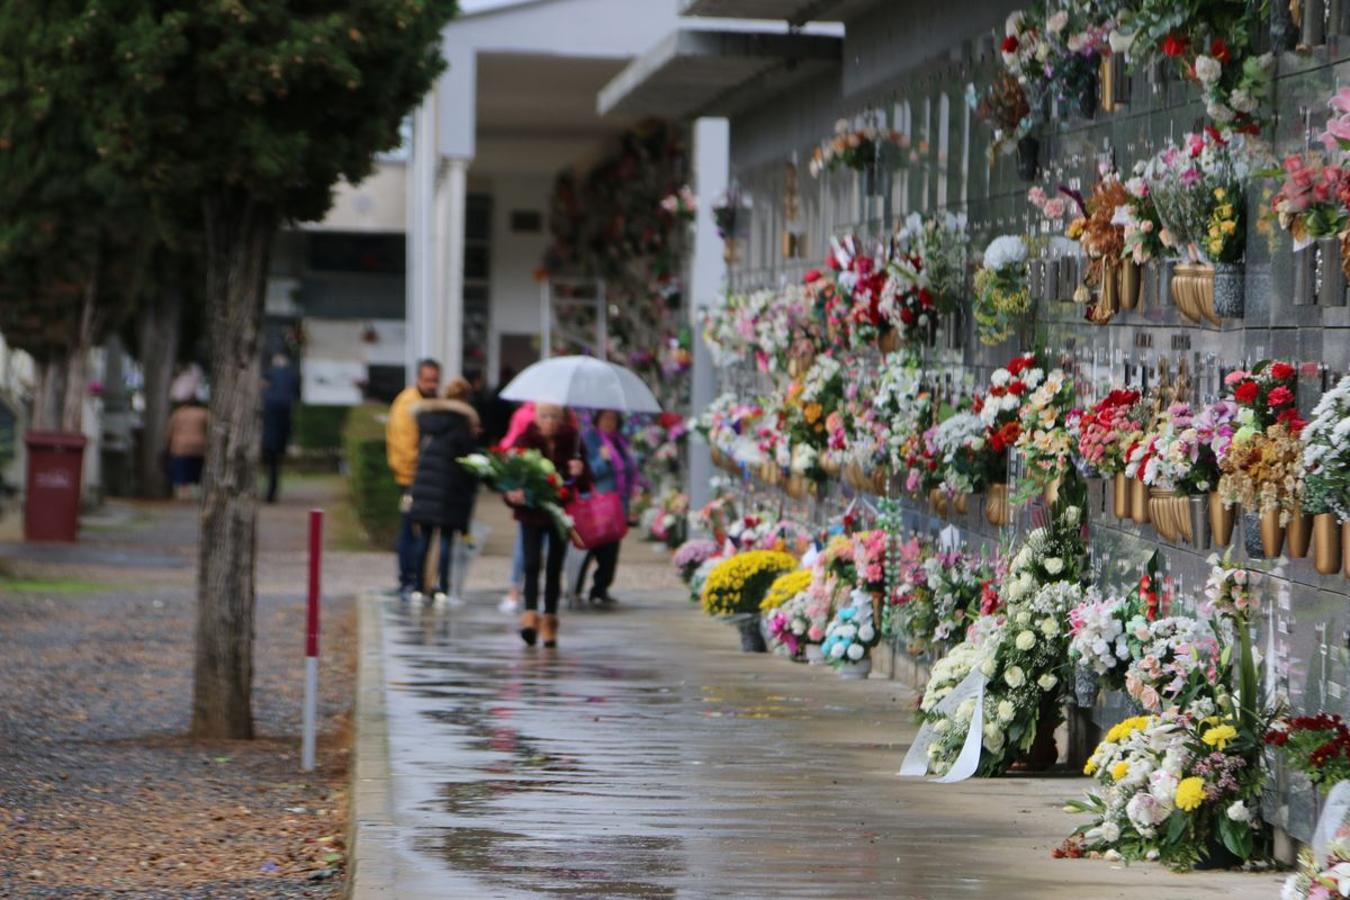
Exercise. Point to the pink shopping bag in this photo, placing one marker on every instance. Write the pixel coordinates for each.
(597, 519)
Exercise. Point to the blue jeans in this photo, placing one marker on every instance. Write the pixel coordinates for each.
(518, 558)
(408, 576)
(423, 547)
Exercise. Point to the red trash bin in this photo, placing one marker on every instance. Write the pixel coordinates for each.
(55, 464)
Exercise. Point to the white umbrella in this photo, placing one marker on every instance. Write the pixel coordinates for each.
(582, 381)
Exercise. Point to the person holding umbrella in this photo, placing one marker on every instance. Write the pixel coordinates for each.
(559, 442)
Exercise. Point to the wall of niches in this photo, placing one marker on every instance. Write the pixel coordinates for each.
(1307, 633)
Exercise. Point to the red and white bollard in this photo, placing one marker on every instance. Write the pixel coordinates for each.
(312, 641)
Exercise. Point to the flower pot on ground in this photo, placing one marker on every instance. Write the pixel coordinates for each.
(752, 638)
(1298, 533)
(1139, 501)
(814, 656)
(1326, 543)
(1221, 519)
(1229, 297)
(856, 671)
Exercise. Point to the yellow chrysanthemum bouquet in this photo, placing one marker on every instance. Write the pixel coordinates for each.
(739, 584)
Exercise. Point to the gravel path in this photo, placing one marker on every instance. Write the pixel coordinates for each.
(100, 795)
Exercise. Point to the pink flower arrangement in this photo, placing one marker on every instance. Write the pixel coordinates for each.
(1312, 201)
(869, 559)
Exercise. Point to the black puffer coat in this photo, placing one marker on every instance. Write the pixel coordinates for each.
(442, 490)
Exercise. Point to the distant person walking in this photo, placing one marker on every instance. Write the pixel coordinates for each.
(544, 547)
(185, 439)
(280, 391)
(443, 491)
(614, 471)
(401, 449)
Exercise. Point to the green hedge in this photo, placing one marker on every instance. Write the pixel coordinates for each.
(319, 427)
(374, 492)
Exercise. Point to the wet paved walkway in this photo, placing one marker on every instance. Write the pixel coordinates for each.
(648, 758)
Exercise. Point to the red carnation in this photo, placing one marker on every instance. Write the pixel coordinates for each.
(1016, 387)
(1246, 392)
(907, 316)
(1280, 396)
(812, 275)
(1173, 45)
(1219, 50)
(925, 298)
(1010, 44)
(1290, 418)
(1020, 364)
(1281, 371)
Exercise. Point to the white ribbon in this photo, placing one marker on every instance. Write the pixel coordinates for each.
(1333, 816)
(915, 764)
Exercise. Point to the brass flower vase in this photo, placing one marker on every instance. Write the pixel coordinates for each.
(996, 505)
(1298, 533)
(1272, 533)
(1326, 543)
(1129, 284)
(1120, 496)
(937, 501)
(888, 341)
(959, 504)
(1197, 522)
(1139, 501)
(1221, 520)
(1160, 512)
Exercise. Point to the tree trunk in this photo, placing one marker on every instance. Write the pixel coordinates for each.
(158, 332)
(50, 389)
(239, 233)
(77, 367)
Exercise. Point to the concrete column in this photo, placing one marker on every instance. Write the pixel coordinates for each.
(707, 277)
(421, 275)
(453, 195)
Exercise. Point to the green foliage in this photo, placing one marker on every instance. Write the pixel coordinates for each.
(320, 427)
(374, 493)
(275, 100)
(66, 219)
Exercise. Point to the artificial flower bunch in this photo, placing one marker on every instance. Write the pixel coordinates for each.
(528, 471)
(1000, 408)
(1233, 591)
(665, 519)
(859, 148)
(1198, 190)
(1210, 42)
(1173, 786)
(901, 405)
(961, 449)
(692, 554)
(1139, 218)
(1326, 454)
(1174, 659)
(680, 204)
(785, 624)
(1316, 745)
(912, 612)
(1261, 466)
(810, 401)
(1003, 107)
(1097, 639)
(1174, 458)
(852, 633)
(931, 252)
(869, 560)
(906, 305)
(738, 584)
(1108, 429)
(1099, 230)
(795, 625)
(1311, 202)
(1001, 293)
(1056, 53)
(955, 581)
(1044, 440)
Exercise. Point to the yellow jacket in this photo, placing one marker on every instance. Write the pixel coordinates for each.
(400, 436)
